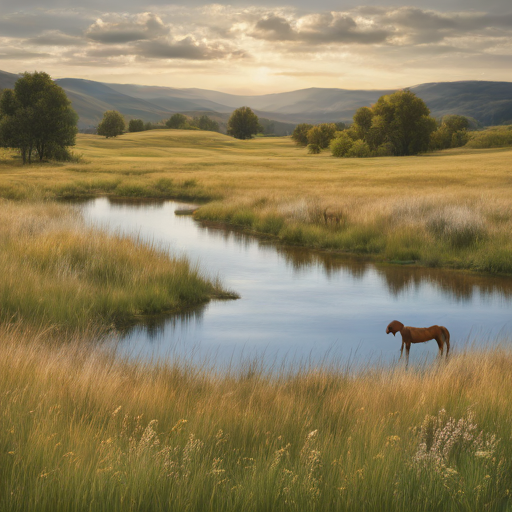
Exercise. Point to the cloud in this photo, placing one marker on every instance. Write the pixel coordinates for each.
(141, 27)
(325, 28)
(187, 48)
(56, 38)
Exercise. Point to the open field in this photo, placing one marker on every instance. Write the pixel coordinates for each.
(83, 431)
(450, 209)
(56, 271)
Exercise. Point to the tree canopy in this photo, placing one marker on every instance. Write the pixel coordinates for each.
(243, 123)
(112, 124)
(36, 115)
(136, 125)
(300, 134)
(177, 122)
(205, 123)
(398, 124)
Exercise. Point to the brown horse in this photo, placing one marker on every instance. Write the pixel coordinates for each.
(420, 335)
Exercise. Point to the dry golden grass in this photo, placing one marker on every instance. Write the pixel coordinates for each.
(57, 271)
(83, 431)
(451, 208)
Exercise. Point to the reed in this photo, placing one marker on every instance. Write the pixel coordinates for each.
(81, 430)
(58, 271)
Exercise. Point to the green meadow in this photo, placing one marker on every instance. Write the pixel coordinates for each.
(83, 429)
(447, 209)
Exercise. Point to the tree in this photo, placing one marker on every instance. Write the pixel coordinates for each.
(243, 123)
(300, 134)
(136, 125)
(112, 124)
(36, 115)
(341, 144)
(322, 134)
(177, 122)
(403, 120)
(452, 133)
(205, 123)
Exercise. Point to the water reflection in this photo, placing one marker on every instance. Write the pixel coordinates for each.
(458, 285)
(296, 302)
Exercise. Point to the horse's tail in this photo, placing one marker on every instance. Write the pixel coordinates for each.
(446, 338)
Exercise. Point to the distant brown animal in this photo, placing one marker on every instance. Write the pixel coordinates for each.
(420, 335)
(332, 216)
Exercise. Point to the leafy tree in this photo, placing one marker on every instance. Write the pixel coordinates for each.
(207, 124)
(362, 121)
(136, 125)
(404, 121)
(36, 115)
(243, 123)
(322, 134)
(112, 124)
(177, 122)
(300, 134)
(452, 133)
(341, 144)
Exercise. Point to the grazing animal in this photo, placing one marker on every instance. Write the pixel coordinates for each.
(420, 335)
(332, 216)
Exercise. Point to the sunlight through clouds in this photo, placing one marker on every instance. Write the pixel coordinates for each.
(231, 45)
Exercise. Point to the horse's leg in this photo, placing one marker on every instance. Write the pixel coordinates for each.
(407, 348)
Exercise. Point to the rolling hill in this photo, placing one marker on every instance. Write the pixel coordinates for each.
(490, 103)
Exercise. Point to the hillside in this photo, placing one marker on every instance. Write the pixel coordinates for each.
(490, 103)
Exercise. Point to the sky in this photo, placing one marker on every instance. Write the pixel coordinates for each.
(256, 48)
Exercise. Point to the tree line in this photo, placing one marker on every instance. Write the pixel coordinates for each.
(37, 119)
(399, 124)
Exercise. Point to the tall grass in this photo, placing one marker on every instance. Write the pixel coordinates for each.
(429, 230)
(57, 271)
(82, 431)
(449, 209)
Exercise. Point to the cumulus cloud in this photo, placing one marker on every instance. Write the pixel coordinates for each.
(270, 42)
(325, 28)
(141, 27)
(187, 48)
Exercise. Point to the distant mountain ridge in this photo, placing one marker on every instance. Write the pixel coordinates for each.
(488, 102)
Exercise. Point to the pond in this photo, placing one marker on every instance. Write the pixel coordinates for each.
(297, 304)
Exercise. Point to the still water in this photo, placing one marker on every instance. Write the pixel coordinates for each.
(296, 304)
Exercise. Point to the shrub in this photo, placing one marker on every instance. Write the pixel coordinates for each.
(136, 125)
(322, 134)
(359, 149)
(314, 149)
(496, 137)
(300, 134)
(341, 145)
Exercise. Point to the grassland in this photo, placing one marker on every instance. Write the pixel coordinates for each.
(57, 271)
(451, 209)
(84, 431)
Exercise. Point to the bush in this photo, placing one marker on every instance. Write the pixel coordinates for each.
(496, 137)
(300, 134)
(359, 149)
(314, 149)
(341, 145)
(322, 134)
(136, 125)
(177, 122)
